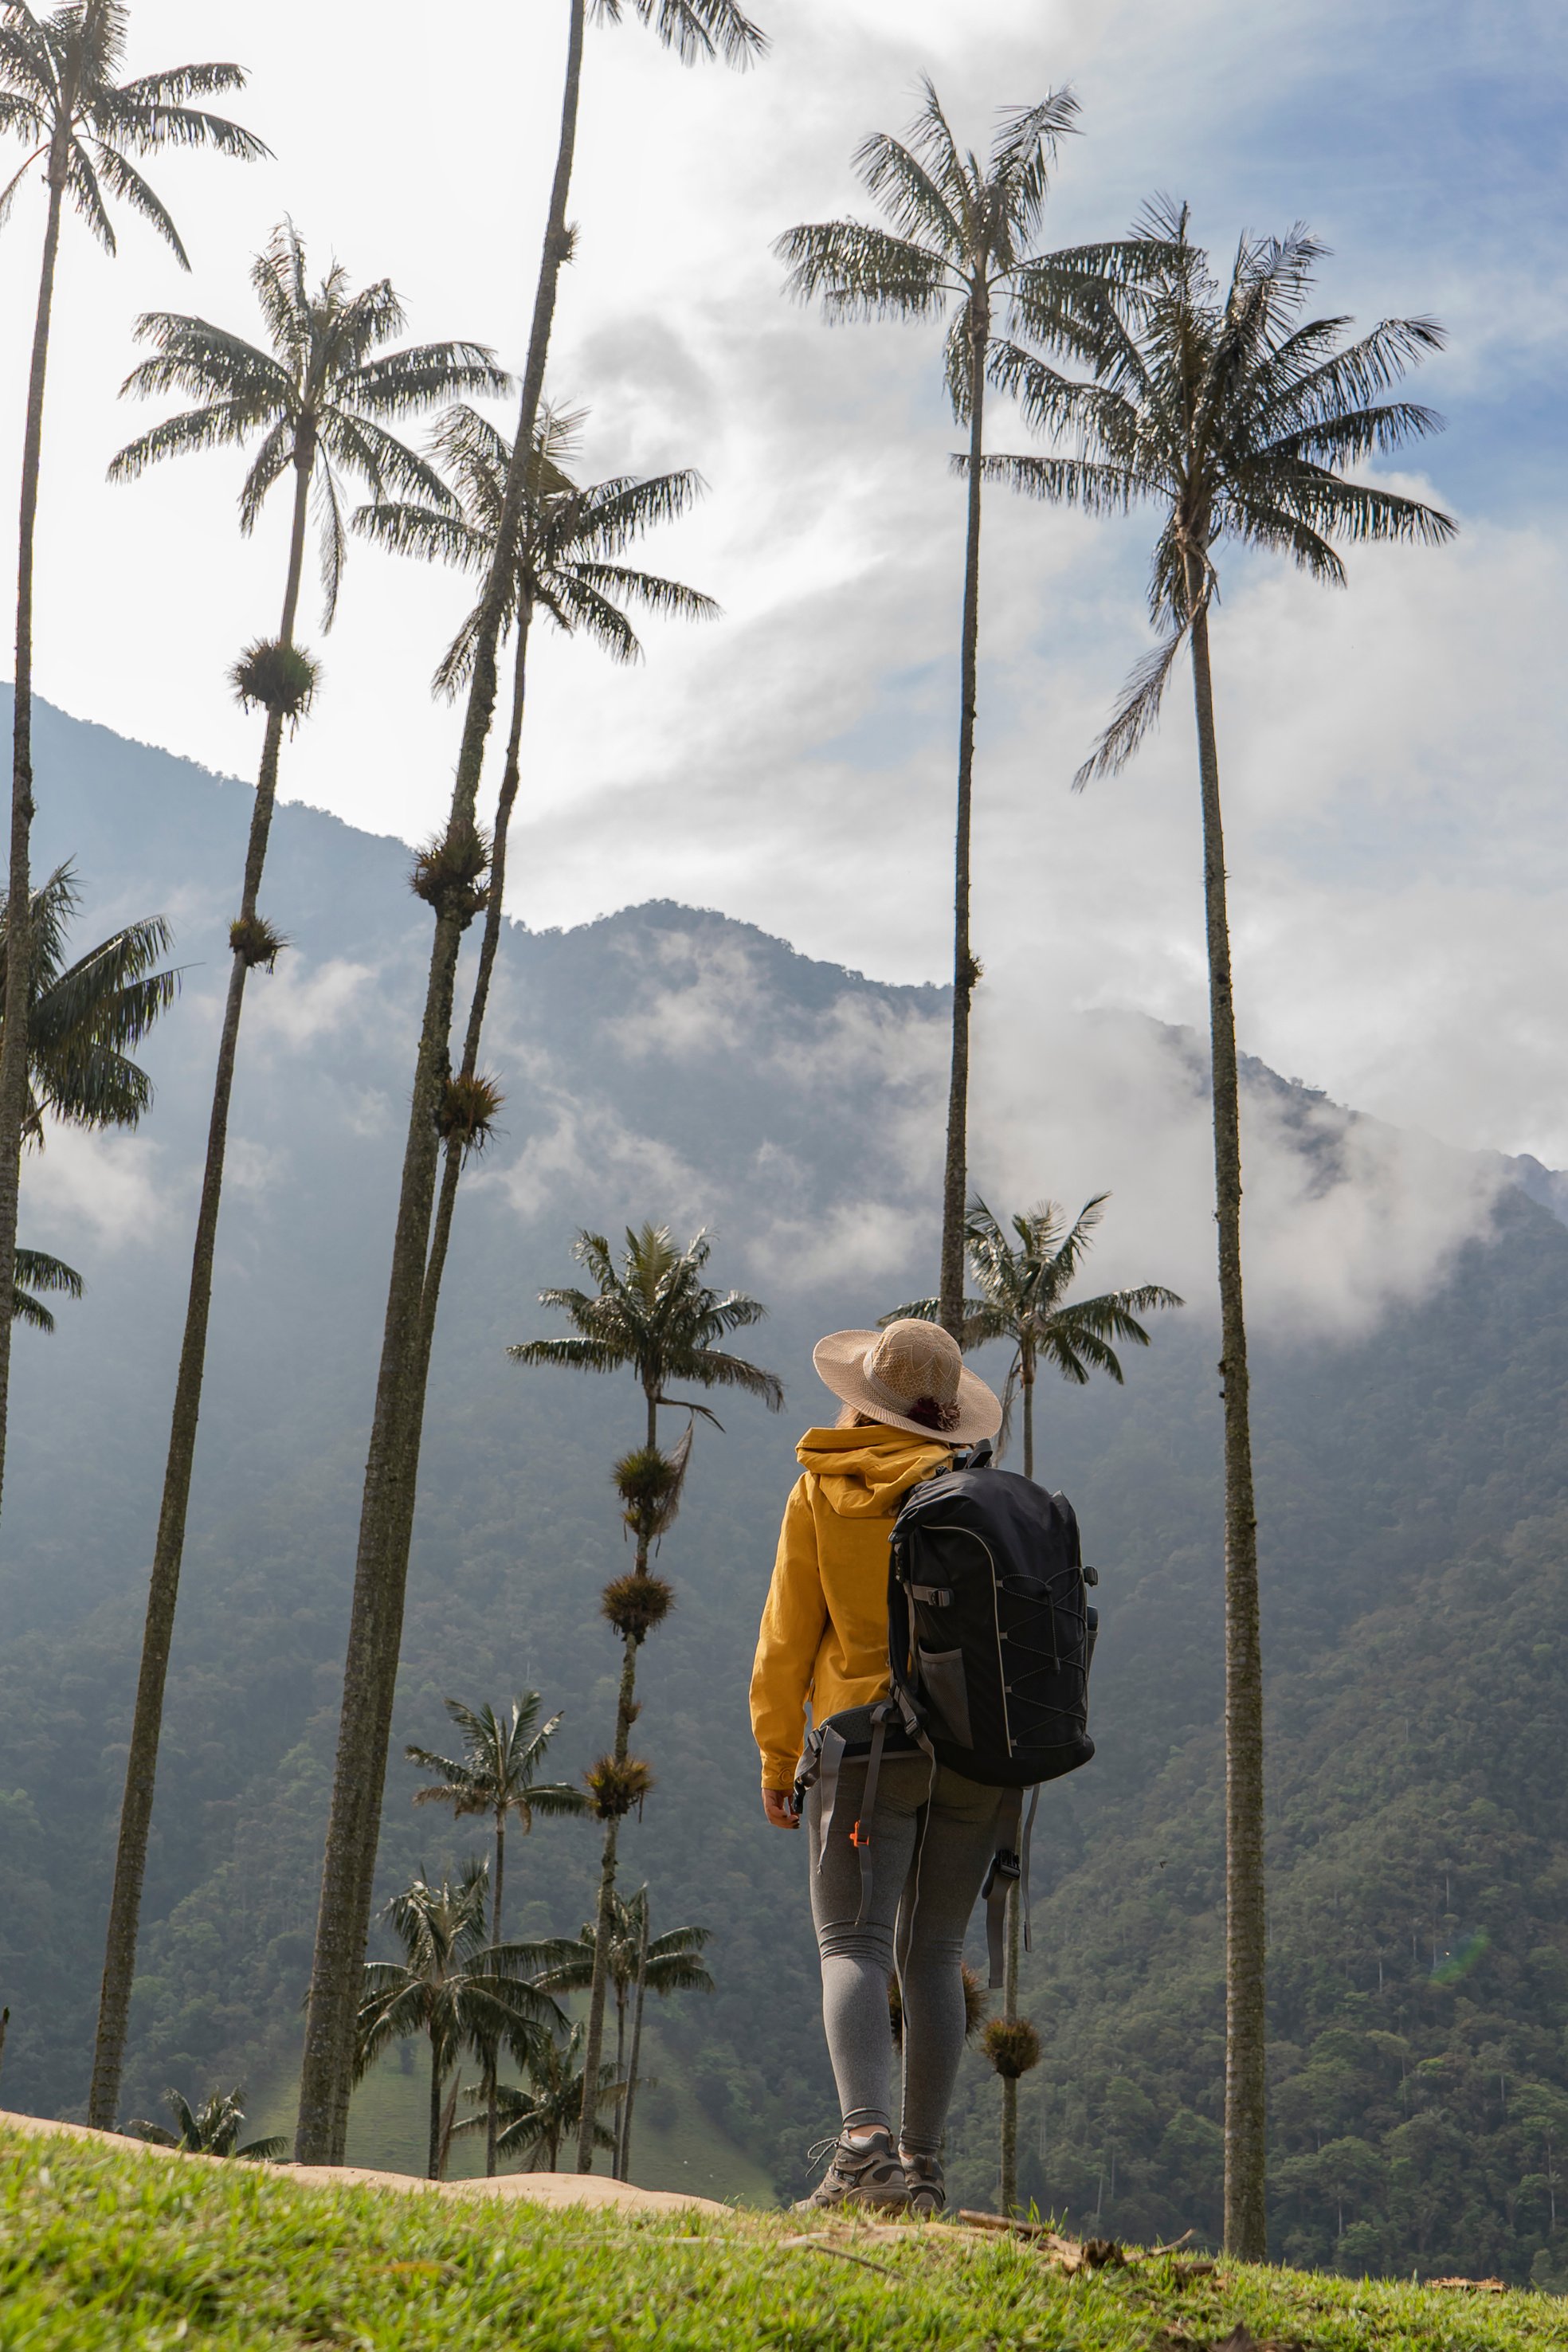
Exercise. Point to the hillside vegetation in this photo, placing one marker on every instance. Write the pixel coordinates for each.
(1411, 1484)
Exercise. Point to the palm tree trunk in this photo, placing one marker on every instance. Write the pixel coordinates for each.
(490, 943)
(1028, 1379)
(955, 1173)
(1246, 2219)
(1009, 2084)
(493, 2105)
(433, 2161)
(392, 1462)
(625, 1711)
(20, 939)
(164, 1587)
(624, 2168)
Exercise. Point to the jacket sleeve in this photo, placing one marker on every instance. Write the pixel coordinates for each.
(793, 1621)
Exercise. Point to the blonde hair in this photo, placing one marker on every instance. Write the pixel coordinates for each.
(851, 1417)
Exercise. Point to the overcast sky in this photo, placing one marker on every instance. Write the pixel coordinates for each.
(1392, 756)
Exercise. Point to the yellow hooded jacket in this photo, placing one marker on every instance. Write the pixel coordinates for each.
(824, 1638)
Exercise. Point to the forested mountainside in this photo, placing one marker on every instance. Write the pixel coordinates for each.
(1412, 1466)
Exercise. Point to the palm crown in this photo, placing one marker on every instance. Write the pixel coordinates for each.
(318, 398)
(962, 239)
(452, 1984)
(36, 1271)
(1022, 1287)
(209, 2129)
(1235, 415)
(84, 1016)
(656, 1313)
(534, 2121)
(568, 539)
(674, 1962)
(60, 90)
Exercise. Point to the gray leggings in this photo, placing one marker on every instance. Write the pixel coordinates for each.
(932, 1844)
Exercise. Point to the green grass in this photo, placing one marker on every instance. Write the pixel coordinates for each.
(100, 2249)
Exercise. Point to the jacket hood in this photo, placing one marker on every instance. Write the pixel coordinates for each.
(863, 1472)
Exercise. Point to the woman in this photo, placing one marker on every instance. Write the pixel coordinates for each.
(908, 1401)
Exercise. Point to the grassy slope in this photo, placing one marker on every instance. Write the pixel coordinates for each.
(98, 2249)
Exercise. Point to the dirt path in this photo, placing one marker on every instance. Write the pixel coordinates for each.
(532, 2188)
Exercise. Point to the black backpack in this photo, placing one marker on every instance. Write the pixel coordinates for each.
(990, 1637)
(990, 1632)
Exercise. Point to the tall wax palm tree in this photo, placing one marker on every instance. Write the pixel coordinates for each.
(963, 246)
(536, 2120)
(1022, 1287)
(450, 882)
(1023, 1300)
(63, 94)
(566, 564)
(638, 1964)
(656, 1315)
(209, 2129)
(496, 1776)
(459, 1990)
(318, 405)
(1234, 415)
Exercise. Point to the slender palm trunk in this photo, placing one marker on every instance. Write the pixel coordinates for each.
(955, 1172)
(1026, 1377)
(624, 2167)
(1009, 2084)
(490, 943)
(1246, 2219)
(392, 1462)
(493, 2105)
(162, 1594)
(437, 2076)
(604, 1927)
(19, 910)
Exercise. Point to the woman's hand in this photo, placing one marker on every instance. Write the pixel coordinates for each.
(779, 1806)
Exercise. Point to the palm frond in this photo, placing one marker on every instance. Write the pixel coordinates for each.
(1138, 713)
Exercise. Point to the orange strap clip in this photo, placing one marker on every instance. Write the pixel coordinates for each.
(855, 1838)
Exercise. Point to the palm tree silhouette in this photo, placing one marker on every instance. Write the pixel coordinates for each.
(209, 2129)
(538, 2118)
(496, 1775)
(454, 1986)
(656, 1315)
(61, 93)
(963, 246)
(1023, 1300)
(694, 29)
(637, 1964)
(316, 403)
(36, 1271)
(1234, 415)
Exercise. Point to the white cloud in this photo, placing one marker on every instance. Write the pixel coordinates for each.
(110, 1188)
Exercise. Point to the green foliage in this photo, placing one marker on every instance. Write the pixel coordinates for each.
(535, 2120)
(100, 2247)
(210, 2128)
(1023, 1286)
(654, 1315)
(36, 1271)
(85, 1016)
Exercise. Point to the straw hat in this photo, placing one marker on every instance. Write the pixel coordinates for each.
(912, 1377)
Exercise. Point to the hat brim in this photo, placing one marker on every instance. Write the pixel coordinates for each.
(840, 1362)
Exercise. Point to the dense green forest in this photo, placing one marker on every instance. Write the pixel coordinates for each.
(1410, 1484)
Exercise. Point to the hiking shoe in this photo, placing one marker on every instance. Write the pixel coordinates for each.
(927, 2188)
(864, 2172)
